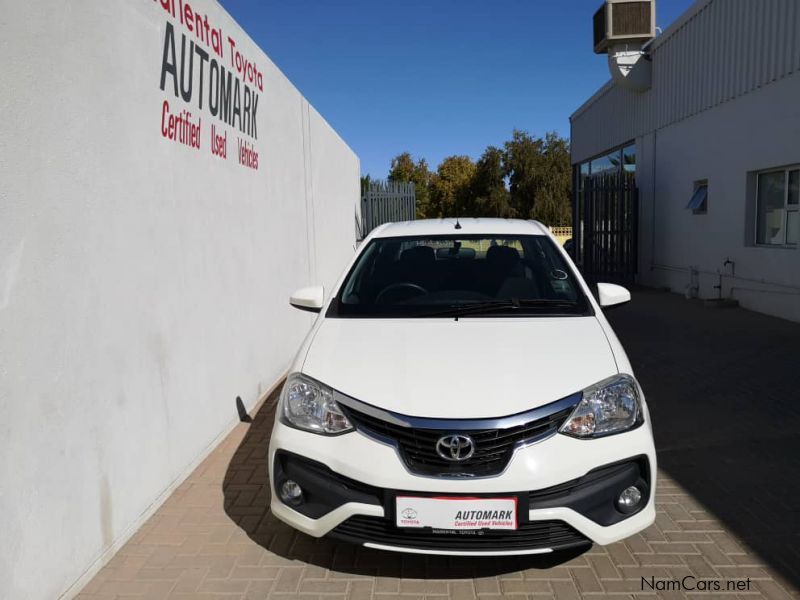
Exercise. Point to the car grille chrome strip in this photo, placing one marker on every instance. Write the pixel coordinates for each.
(495, 439)
(459, 424)
(445, 551)
(530, 536)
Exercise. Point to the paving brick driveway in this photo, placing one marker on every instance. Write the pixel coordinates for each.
(723, 387)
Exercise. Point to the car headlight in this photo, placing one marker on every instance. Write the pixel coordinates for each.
(309, 405)
(611, 406)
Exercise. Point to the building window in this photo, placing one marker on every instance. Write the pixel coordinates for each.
(699, 201)
(778, 202)
(629, 158)
(621, 159)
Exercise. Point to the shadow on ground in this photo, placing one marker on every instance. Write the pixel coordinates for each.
(723, 387)
(247, 497)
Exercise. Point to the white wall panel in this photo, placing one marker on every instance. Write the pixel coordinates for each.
(143, 284)
(707, 147)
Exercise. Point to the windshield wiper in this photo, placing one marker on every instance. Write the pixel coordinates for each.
(514, 304)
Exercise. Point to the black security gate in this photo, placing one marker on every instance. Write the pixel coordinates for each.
(607, 216)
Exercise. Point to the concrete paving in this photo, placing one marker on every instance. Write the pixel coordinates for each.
(722, 385)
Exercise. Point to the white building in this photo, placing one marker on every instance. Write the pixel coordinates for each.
(713, 136)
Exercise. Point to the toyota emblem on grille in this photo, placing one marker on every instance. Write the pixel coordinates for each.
(455, 447)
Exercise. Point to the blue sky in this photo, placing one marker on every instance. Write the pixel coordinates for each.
(434, 77)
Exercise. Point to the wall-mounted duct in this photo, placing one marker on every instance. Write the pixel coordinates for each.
(630, 67)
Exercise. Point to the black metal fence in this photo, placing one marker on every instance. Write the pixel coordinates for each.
(606, 232)
(386, 202)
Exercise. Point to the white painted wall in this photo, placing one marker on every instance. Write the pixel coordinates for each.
(143, 285)
(725, 145)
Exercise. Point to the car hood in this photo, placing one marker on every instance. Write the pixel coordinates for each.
(470, 368)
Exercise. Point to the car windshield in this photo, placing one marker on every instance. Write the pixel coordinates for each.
(454, 275)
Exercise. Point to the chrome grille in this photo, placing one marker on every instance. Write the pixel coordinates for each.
(494, 446)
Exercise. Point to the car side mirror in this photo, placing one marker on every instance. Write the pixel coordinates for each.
(310, 299)
(609, 294)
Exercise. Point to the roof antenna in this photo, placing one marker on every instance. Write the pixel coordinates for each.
(458, 225)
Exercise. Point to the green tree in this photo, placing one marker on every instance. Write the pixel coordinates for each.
(529, 178)
(451, 187)
(405, 169)
(553, 205)
(490, 196)
(523, 158)
(539, 175)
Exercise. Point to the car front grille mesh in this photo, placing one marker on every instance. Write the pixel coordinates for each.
(493, 447)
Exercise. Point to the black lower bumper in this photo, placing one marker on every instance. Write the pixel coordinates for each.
(594, 496)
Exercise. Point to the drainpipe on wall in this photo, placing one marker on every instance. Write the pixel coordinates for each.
(693, 287)
(653, 201)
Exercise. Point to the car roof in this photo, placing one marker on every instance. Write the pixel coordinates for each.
(469, 226)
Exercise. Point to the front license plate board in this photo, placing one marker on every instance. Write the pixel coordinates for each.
(457, 513)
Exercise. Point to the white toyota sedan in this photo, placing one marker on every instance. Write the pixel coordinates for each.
(462, 393)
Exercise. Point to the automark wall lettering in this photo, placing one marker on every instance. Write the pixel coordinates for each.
(203, 72)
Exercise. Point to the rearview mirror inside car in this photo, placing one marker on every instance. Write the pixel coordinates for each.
(609, 294)
(310, 299)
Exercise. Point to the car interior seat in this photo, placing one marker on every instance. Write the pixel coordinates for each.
(502, 262)
(417, 266)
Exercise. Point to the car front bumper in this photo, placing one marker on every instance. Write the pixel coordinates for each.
(568, 487)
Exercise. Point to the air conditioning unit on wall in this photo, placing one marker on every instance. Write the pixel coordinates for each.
(624, 21)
